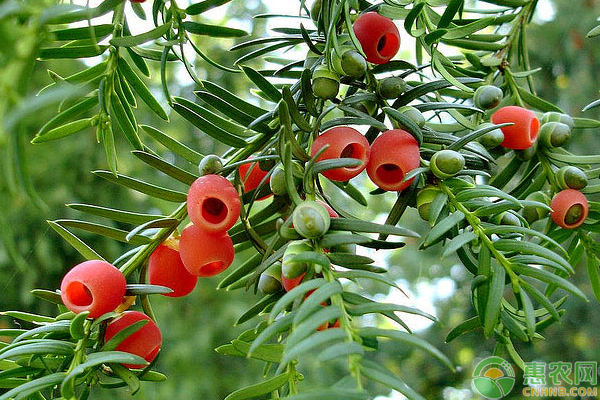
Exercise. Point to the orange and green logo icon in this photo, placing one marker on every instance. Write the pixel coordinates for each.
(493, 378)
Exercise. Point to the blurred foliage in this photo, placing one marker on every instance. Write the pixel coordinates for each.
(32, 255)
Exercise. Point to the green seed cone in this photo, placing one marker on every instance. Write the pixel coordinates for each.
(425, 197)
(446, 163)
(553, 116)
(492, 139)
(532, 214)
(487, 97)
(571, 177)
(325, 83)
(311, 219)
(270, 280)
(526, 154)
(210, 164)
(506, 218)
(554, 134)
(414, 114)
(291, 269)
(391, 87)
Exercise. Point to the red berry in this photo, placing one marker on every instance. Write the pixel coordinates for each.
(332, 213)
(289, 284)
(213, 203)
(251, 176)
(378, 37)
(165, 268)
(569, 208)
(95, 286)
(344, 142)
(394, 153)
(524, 131)
(204, 253)
(145, 342)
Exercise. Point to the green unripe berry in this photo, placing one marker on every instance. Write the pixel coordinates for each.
(366, 106)
(571, 177)
(325, 83)
(414, 114)
(487, 97)
(311, 59)
(391, 87)
(446, 163)
(270, 280)
(506, 218)
(553, 116)
(533, 213)
(526, 154)
(491, 139)
(425, 197)
(574, 214)
(277, 181)
(311, 219)
(210, 164)
(554, 134)
(349, 62)
(289, 268)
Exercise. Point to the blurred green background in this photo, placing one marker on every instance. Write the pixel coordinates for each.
(32, 255)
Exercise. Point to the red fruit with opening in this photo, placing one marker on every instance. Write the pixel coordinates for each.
(95, 286)
(332, 213)
(213, 203)
(344, 142)
(378, 37)
(394, 153)
(524, 131)
(569, 208)
(165, 268)
(289, 284)
(145, 342)
(251, 176)
(205, 253)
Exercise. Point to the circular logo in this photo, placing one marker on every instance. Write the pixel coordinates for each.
(493, 377)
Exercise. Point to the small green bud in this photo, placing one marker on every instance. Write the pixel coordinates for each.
(210, 164)
(269, 281)
(325, 83)
(571, 177)
(446, 163)
(291, 269)
(492, 139)
(414, 114)
(506, 218)
(532, 213)
(425, 197)
(554, 134)
(525, 154)
(553, 116)
(277, 181)
(391, 87)
(487, 97)
(349, 62)
(311, 219)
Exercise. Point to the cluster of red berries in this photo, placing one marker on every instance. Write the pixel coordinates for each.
(98, 287)
(387, 160)
(204, 249)
(569, 206)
